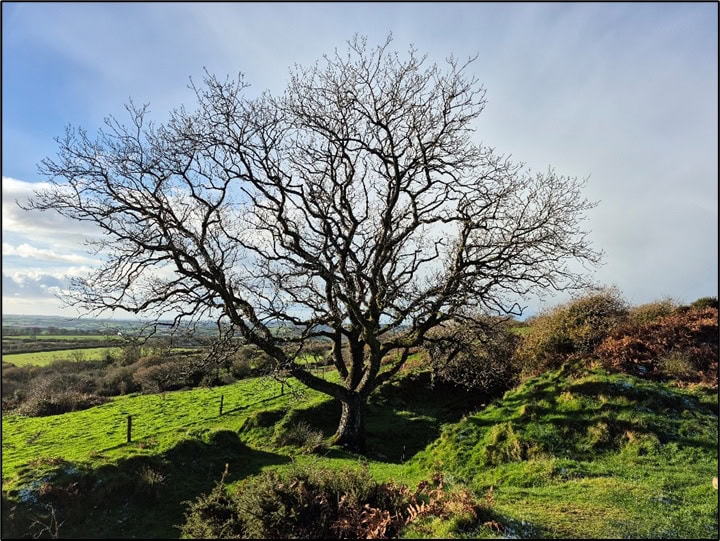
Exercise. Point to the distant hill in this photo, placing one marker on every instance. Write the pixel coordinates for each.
(26, 324)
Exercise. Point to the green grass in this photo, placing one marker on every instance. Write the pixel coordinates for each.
(44, 358)
(570, 454)
(591, 455)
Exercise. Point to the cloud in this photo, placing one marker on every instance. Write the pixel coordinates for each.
(37, 291)
(35, 296)
(37, 227)
(31, 252)
(33, 285)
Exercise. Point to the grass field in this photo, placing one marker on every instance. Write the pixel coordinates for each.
(591, 455)
(43, 358)
(566, 455)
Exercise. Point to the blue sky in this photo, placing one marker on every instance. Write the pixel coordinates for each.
(623, 93)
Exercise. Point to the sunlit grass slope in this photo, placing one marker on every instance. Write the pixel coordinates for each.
(584, 454)
(570, 454)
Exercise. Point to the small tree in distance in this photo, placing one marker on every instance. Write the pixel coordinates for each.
(355, 207)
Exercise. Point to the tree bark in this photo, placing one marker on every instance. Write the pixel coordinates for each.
(350, 433)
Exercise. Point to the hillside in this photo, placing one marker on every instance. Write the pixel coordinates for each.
(585, 454)
(570, 454)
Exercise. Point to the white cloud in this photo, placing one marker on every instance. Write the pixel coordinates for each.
(39, 227)
(31, 252)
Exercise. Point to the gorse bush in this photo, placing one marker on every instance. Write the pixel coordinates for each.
(705, 302)
(646, 313)
(304, 503)
(574, 328)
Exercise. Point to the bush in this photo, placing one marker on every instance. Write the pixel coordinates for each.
(705, 302)
(646, 313)
(118, 381)
(157, 374)
(309, 503)
(476, 357)
(303, 503)
(249, 361)
(39, 404)
(681, 346)
(84, 382)
(572, 329)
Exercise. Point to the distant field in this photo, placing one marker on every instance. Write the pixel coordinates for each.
(43, 358)
(71, 337)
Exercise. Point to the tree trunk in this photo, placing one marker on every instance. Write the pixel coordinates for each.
(351, 430)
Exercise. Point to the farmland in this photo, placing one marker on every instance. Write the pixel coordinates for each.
(49, 339)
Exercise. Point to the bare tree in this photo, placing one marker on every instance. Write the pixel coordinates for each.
(356, 208)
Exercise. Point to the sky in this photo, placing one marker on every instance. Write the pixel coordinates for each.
(623, 94)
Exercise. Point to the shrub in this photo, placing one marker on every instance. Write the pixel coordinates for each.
(55, 393)
(82, 383)
(159, 374)
(303, 503)
(477, 357)
(300, 434)
(38, 405)
(130, 353)
(248, 361)
(574, 328)
(240, 368)
(310, 503)
(213, 516)
(705, 302)
(118, 381)
(646, 313)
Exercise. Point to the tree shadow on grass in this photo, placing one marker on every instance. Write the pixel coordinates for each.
(140, 497)
(402, 418)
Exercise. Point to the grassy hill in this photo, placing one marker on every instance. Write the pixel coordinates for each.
(574, 453)
(586, 454)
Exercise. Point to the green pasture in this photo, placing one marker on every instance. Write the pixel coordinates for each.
(159, 421)
(590, 455)
(574, 453)
(43, 358)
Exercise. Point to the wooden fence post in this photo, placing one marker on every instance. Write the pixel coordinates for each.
(129, 428)
(222, 397)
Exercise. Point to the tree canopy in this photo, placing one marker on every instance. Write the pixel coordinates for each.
(355, 207)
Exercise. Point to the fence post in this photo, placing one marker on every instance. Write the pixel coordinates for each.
(129, 428)
(222, 397)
